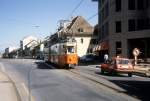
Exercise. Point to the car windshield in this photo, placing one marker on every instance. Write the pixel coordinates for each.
(71, 49)
(89, 56)
(122, 61)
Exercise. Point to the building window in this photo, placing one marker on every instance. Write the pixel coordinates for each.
(102, 1)
(131, 4)
(143, 24)
(147, 3)
(147, 23)
(118, 48)
(140, 4)
(93, 41)
(131, 25)
(107, 10)
(106, 29)
(81, 40)
(102, 14)
(46, 44)
(140, 24)
(118, 5)
(80, 30)
(102, 35)
(118, 26)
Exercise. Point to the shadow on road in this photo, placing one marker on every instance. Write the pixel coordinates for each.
(51, 66)
(111, 75)
(136, 88)
(42, 65)
(139, 89)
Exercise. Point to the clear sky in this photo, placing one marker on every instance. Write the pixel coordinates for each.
(19, 18)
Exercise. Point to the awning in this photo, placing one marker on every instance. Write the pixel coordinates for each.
(95, 48)
(102, 46)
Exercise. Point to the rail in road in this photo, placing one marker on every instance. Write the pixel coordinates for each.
(137, 86)
(93, 78)
(97, 82)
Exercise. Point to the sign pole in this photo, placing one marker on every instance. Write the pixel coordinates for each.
(136, 53)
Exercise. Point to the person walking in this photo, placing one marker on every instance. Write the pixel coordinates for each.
(105, 58)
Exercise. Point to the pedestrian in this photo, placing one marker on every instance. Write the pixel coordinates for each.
(105, 58)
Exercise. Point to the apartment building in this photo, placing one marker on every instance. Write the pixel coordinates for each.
(79, 29)
(125, 25)
(9, 50)
(27, 46)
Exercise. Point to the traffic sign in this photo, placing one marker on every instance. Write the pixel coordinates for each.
(136, 52)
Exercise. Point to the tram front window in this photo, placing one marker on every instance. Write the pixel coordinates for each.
(71, 49)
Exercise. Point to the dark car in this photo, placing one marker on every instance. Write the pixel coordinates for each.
(88, 58)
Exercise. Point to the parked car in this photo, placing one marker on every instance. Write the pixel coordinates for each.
(88, 58)
(118, 65)
(142, 68)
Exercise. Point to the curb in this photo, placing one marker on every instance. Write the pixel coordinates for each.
(12, 82)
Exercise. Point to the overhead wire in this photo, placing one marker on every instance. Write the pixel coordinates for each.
(91, 17)
(76, 7)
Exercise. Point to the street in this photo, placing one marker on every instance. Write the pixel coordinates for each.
(136, 86)
(37, 82)
(75, 50)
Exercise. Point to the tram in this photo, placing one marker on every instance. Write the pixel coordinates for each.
(64, 53)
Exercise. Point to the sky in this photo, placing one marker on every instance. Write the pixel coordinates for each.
(20, 18)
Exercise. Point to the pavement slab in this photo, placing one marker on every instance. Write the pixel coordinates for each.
(7, 89)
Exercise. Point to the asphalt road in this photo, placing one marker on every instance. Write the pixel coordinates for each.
(136, 86)
(37, 82)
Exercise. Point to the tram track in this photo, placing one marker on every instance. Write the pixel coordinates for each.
(88, 76)
(77, 73)
(92, 78)
(93, 82)
(96, 82)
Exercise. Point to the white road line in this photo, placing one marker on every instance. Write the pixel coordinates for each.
(25, 88)
(27, 92)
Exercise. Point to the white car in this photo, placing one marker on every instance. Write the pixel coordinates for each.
(143, 69)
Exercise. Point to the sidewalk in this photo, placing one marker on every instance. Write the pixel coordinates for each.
(7, 89)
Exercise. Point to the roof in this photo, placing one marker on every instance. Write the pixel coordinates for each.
(79, 22)
(72, 22)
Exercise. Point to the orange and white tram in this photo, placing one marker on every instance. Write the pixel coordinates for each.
(64, 53)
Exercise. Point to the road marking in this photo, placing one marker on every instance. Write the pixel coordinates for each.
(25, 88)
(29, 96)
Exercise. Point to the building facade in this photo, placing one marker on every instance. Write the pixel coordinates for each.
(125, 25)
(27, 46)
(9, 52)
(95, 40)
(79, 29)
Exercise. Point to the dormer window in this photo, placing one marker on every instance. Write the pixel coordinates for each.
(81, 40)
(80, 30)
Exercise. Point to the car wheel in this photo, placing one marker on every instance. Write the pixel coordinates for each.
(129, 74)
(112, 72)
(102, 71)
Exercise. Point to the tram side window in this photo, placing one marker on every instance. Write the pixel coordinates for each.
(70, 49)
